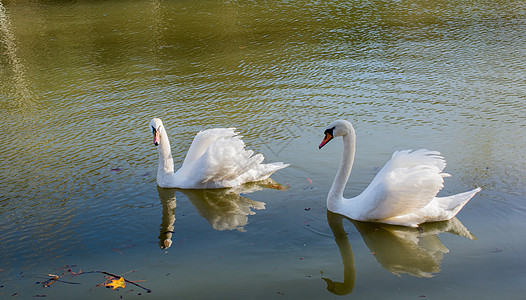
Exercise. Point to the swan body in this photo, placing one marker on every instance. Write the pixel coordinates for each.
(216, 159)
(402, 193)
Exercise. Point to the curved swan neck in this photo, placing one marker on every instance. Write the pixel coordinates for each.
(166, 162)
(347, 160)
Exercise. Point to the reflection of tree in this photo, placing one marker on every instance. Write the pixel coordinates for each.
(19, 81)
(224, 209)
(398, 249)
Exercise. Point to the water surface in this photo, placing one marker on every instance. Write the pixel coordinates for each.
(80, 80)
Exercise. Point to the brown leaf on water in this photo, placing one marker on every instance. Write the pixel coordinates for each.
(271, 184)
(276, 187)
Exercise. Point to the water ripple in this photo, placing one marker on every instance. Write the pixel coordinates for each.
(78, 90)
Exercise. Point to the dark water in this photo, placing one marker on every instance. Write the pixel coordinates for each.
(80, 80)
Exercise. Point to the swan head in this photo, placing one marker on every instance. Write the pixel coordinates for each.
(156, 125)
(335, 129)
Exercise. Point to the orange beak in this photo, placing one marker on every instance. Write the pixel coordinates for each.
(327, 138)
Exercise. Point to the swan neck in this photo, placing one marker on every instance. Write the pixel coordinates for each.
(166, 162)
(347, 160)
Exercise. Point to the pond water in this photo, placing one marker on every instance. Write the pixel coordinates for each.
(80, 81)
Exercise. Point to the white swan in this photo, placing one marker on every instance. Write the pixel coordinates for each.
(216, 159)
(402, 193)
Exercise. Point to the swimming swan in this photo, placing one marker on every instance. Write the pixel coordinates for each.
(216, 159)
(402, 193)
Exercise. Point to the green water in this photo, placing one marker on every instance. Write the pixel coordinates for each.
(80, 81)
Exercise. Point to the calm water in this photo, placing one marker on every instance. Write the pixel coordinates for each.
(80, 80)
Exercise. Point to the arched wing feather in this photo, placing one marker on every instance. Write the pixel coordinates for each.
(407, 183)
(218, 158)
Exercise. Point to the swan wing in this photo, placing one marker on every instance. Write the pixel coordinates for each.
(409, 158)
(204, 139)
(406, 184)
(218, 158)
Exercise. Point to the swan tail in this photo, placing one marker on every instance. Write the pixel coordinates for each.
(440, 209)
(451, 205)
(265, 170)
(255, 173)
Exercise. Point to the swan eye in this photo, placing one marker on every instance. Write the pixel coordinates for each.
(329, 131)
(154, 130)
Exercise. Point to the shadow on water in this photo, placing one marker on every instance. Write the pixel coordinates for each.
(224, 209)
(398, 249)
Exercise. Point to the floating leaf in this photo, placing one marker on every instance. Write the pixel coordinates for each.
(117, 283)
(276, 187)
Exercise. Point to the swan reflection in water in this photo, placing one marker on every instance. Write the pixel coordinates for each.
(224, 209)
(349, 271)
(398, 249)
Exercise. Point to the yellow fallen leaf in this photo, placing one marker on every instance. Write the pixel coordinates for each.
(117, 283)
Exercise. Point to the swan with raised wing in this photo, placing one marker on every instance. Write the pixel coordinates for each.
(402, 193)
(216, 159)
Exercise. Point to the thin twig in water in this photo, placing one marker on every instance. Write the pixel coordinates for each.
(69, 272)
